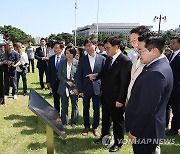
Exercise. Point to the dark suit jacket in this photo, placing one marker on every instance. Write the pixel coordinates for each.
(175, 66)
(62, 75)
(146, 109)
(116, 79)
(84, 84)
(39, 55)
(51, 70)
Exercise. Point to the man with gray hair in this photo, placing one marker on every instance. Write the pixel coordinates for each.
(10, 70)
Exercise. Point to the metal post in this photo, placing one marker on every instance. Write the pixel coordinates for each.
(97, 20)
(159, 24)
(50, 139)
(75, 23)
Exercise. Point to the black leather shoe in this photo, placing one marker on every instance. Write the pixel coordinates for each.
(114, 148)
(2, 101)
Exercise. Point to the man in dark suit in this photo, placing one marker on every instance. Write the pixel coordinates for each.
(52, 79)
(42, 56)
(146, 109)
(115, 76)
(91, 63)
(174, 101)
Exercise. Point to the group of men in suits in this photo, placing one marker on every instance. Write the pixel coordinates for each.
(145, 117)
(106, 82)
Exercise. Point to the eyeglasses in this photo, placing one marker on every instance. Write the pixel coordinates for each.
(143, 51)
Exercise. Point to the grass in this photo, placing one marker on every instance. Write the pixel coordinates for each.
(21, 132)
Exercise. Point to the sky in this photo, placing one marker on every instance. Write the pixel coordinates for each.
(40, 18)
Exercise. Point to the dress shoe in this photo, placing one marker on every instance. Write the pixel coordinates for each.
(172, 132)
(95, 132)
(114, 148)
(85, 131)
(2, 101)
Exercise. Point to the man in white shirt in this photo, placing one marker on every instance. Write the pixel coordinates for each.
(90, 63)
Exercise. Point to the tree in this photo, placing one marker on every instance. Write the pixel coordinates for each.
(102, 37)
(168, 36)
(80, 40)
(16, 35)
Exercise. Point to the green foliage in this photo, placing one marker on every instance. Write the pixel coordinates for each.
(59, 37)
(121, 37)
(16, 35)
(80, 40)
(168, 36)
(102, 37)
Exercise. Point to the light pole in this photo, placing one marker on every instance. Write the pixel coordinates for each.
(97, 20)
(75, 23)
(160, 18)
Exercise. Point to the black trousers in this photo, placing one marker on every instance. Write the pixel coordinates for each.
(144, 148)
(31, 62)
(56, 97)
(86, 107)
(42, 71)
(10, 80)
(175, 105)
(1, 83)
(114, 114)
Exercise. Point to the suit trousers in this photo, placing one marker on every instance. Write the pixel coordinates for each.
(74, 111)
(175, 105)
(41, 75)
(31, 62)
(56, 96)
(86, 107)
(1, 83)
(114, 114)
(146, 149)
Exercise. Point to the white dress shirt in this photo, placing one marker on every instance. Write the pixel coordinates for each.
(115, 56)
(132, 54)
(92, 61)
(68, 77)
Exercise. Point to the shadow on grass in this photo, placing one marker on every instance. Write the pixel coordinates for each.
(33, 122)
(68, 145)
(36, 146)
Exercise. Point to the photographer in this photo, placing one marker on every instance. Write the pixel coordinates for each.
(10, 70)
(2, 62)
(22, 67)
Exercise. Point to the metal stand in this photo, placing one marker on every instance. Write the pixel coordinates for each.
(50, 139)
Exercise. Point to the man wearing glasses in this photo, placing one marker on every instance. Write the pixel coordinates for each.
(146, 108)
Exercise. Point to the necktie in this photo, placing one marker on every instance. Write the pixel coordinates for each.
(110, 62)
(57, 63)
(171, 56)
(43, 52)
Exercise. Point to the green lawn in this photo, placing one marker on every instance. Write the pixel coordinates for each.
(21, 132)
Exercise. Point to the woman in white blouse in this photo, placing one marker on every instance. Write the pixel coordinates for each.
(67, 86)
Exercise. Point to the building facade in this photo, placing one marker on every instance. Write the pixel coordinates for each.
(108, 28)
